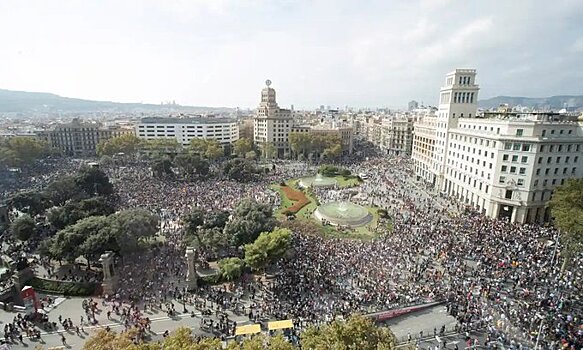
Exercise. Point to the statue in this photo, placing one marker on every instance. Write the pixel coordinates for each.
(109, 283)
(191, 275)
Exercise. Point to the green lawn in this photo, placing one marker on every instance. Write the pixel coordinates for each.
(365, 232)
(347, 181)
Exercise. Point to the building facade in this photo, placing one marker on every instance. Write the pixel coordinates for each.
(397, 135)
(503, 164)
(272, 125)
(80, 139)
(223, 130)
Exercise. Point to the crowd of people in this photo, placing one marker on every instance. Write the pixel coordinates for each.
(492, 274)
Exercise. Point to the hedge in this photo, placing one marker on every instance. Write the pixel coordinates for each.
(298, 197)
(80, 289)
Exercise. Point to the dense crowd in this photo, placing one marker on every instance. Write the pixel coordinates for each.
(492, 274)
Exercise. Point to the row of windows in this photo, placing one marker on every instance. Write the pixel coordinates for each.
(556, 172)
(558, 160)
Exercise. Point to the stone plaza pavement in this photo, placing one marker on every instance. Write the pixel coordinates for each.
(72, 308)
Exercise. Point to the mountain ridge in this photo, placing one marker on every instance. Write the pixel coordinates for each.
(12, 101)
(552, 102)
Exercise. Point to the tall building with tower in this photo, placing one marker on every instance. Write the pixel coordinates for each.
(502, 164)
(272, 124)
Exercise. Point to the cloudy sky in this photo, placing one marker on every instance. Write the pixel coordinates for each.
(331, 52)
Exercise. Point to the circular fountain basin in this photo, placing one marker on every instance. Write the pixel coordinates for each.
(343, 214)
(318, 181)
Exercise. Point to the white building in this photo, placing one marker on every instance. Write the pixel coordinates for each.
(272, 124)
(224, 130)
(502, 164)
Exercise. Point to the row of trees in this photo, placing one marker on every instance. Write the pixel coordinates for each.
(567, 211)
(87, 182)
(18, 151)
(333, 170)
(357, 332)
(121, 232)
(306, 145)
(205, 148)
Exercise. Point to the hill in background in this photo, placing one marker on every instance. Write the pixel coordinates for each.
(543, 103)
(30, 102)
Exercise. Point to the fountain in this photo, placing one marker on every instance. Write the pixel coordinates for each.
(343, 214)
(317, 181)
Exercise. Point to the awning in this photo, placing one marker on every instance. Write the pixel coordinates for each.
(248, 329)
(280, 325)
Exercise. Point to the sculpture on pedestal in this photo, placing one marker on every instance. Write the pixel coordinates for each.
(109, 283)
(191, 275)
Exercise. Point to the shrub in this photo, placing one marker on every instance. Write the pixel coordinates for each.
(81, 289)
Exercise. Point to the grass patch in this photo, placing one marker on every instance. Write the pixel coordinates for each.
(347, 181)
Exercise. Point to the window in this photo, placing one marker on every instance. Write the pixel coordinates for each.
(502, 179)
(540, 159)
(505, 157)
(560, 148)
(565, 171)
(556, 171)
(504, 168)
(524, 159)
(526, 147)
(558, 160)
(549, 160)
(567, 160)
(508, 194)
(544, 133)
(519, 132)
(516, 147)
(573, 171)
(512, 169)
(522, 171)
(547, 171)
(576, 157)
(538, 171)
(515, 158)
(552, 132)
(520, 182)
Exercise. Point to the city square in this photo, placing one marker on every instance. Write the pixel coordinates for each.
(274, 190)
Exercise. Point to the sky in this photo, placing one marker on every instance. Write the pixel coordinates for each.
(361, 53)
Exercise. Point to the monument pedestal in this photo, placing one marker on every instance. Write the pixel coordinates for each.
(191, 275)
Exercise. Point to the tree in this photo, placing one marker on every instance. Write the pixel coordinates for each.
(268, 150)
(129, 227)
(23, 227)
(248, 221)
(162, 166)
(231, 268)
(63, 189)
(71, 212)
(251, 155)
(208, 148)
(93, 181)
(192, 164)
(30, 202)
(333, 152)
(243, 146)
(567, 211)
(267, 248)
(128, 144)
(357, 332)
(68, 243)
(239, 170)
(159, 147)
(214, 150)
(21, 150)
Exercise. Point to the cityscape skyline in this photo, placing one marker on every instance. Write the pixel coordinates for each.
(321, 53)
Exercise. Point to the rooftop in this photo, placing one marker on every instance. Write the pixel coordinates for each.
(195, 120)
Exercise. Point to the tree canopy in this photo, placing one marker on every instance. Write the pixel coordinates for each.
(23, 227)
(21, 150)
(30, 202)
(161, 166)
(91, 236)
(248, 221)
(239, 170)
(128, 144)
(318, 144)
(93, 181)
(267, 248)
(71, 212)
(207, 148)
(567, 211)
(242, 146)
(192, 164)
(357, 332)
